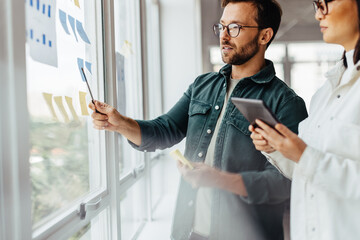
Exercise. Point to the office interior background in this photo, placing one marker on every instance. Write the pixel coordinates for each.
(62, 179)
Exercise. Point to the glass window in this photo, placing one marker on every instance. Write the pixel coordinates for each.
(319, 52)
(132, 209)
(96, 229)
(64, 153)
(128, 74)
(309, 63)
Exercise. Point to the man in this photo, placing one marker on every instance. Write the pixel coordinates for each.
(233, 192)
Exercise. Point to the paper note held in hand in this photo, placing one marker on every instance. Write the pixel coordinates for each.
(176, 154)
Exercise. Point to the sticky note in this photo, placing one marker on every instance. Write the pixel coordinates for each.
(80, 63)
(126, 49)
(81, 31)
(59, 103)
(48, 100)
(62, 16)
(176, 154)
(72, 24)
(77, 3)
(88, 66)
(71, 107)
(83, 105)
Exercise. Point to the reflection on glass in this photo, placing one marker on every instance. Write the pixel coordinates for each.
(310, 62)
(132, 209)
(60, 39)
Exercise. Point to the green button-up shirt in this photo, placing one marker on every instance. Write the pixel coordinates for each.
(233, 216)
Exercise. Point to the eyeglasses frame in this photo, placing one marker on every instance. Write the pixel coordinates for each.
(317, 4)
(228, 30)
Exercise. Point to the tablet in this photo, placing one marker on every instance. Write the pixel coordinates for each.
(253, 109)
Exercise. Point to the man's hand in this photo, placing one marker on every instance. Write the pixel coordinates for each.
(201, 176)
(205, 176)
(110, 119)
(282, 139)
(259, 141)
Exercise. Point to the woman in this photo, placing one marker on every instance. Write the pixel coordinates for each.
(324, 161)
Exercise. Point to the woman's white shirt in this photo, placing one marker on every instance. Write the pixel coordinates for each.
(325, 192)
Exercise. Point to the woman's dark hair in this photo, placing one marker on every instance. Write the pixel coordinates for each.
(357, 47)
(268, 13)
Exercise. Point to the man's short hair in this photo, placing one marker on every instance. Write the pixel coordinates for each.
(268, 13)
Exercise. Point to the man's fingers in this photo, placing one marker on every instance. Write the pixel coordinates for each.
(102, 124)
(99, 116)
(92, 106)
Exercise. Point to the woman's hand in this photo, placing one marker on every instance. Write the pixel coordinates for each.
(282, 139)
(259, 141)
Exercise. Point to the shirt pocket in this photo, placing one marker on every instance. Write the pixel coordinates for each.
(238, 121)
(198, 114)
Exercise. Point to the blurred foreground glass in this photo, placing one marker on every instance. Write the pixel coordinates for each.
(60, 40)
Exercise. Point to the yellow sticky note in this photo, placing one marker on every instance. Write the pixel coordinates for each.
(48, 100)
(77, 3)
(83, 105)
(176, 154)
(126, 49)
(59, 103)
(71, 107)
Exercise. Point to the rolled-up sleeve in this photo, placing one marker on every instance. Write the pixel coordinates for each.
(166, 130)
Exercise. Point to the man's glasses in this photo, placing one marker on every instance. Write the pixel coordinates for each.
(321, 5)
(233, 29)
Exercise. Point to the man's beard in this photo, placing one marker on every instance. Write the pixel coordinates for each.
(246, 52)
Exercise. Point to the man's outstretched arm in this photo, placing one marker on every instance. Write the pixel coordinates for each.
(110, 119)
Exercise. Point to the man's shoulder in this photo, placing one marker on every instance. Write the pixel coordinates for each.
(280, 87)
(209, 78)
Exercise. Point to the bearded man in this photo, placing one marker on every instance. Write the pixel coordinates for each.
(233, 192)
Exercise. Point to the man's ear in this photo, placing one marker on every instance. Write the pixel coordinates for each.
(265, 36)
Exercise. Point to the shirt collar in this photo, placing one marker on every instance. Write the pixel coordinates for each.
(265, 75)
(334, 74)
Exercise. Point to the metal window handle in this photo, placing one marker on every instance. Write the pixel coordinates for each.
(88, 207)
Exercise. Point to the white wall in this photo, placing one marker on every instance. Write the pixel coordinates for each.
(180, 48)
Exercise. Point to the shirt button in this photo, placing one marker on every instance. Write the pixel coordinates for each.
(224, 85)
(190, 203)
(217, 107)
(313, 229)
(338, 96)
(200, 154)
(332, 118)
(312, 196)
(209, 131)
(318, 126)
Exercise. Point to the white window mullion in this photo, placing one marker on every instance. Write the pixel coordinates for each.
(14, 167)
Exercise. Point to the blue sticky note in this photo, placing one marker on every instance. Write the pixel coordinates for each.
(88, 66)
(81, 31)
(80, 63)
(72, 24)
(62, 16)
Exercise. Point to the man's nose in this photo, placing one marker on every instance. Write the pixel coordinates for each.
(224, 35)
